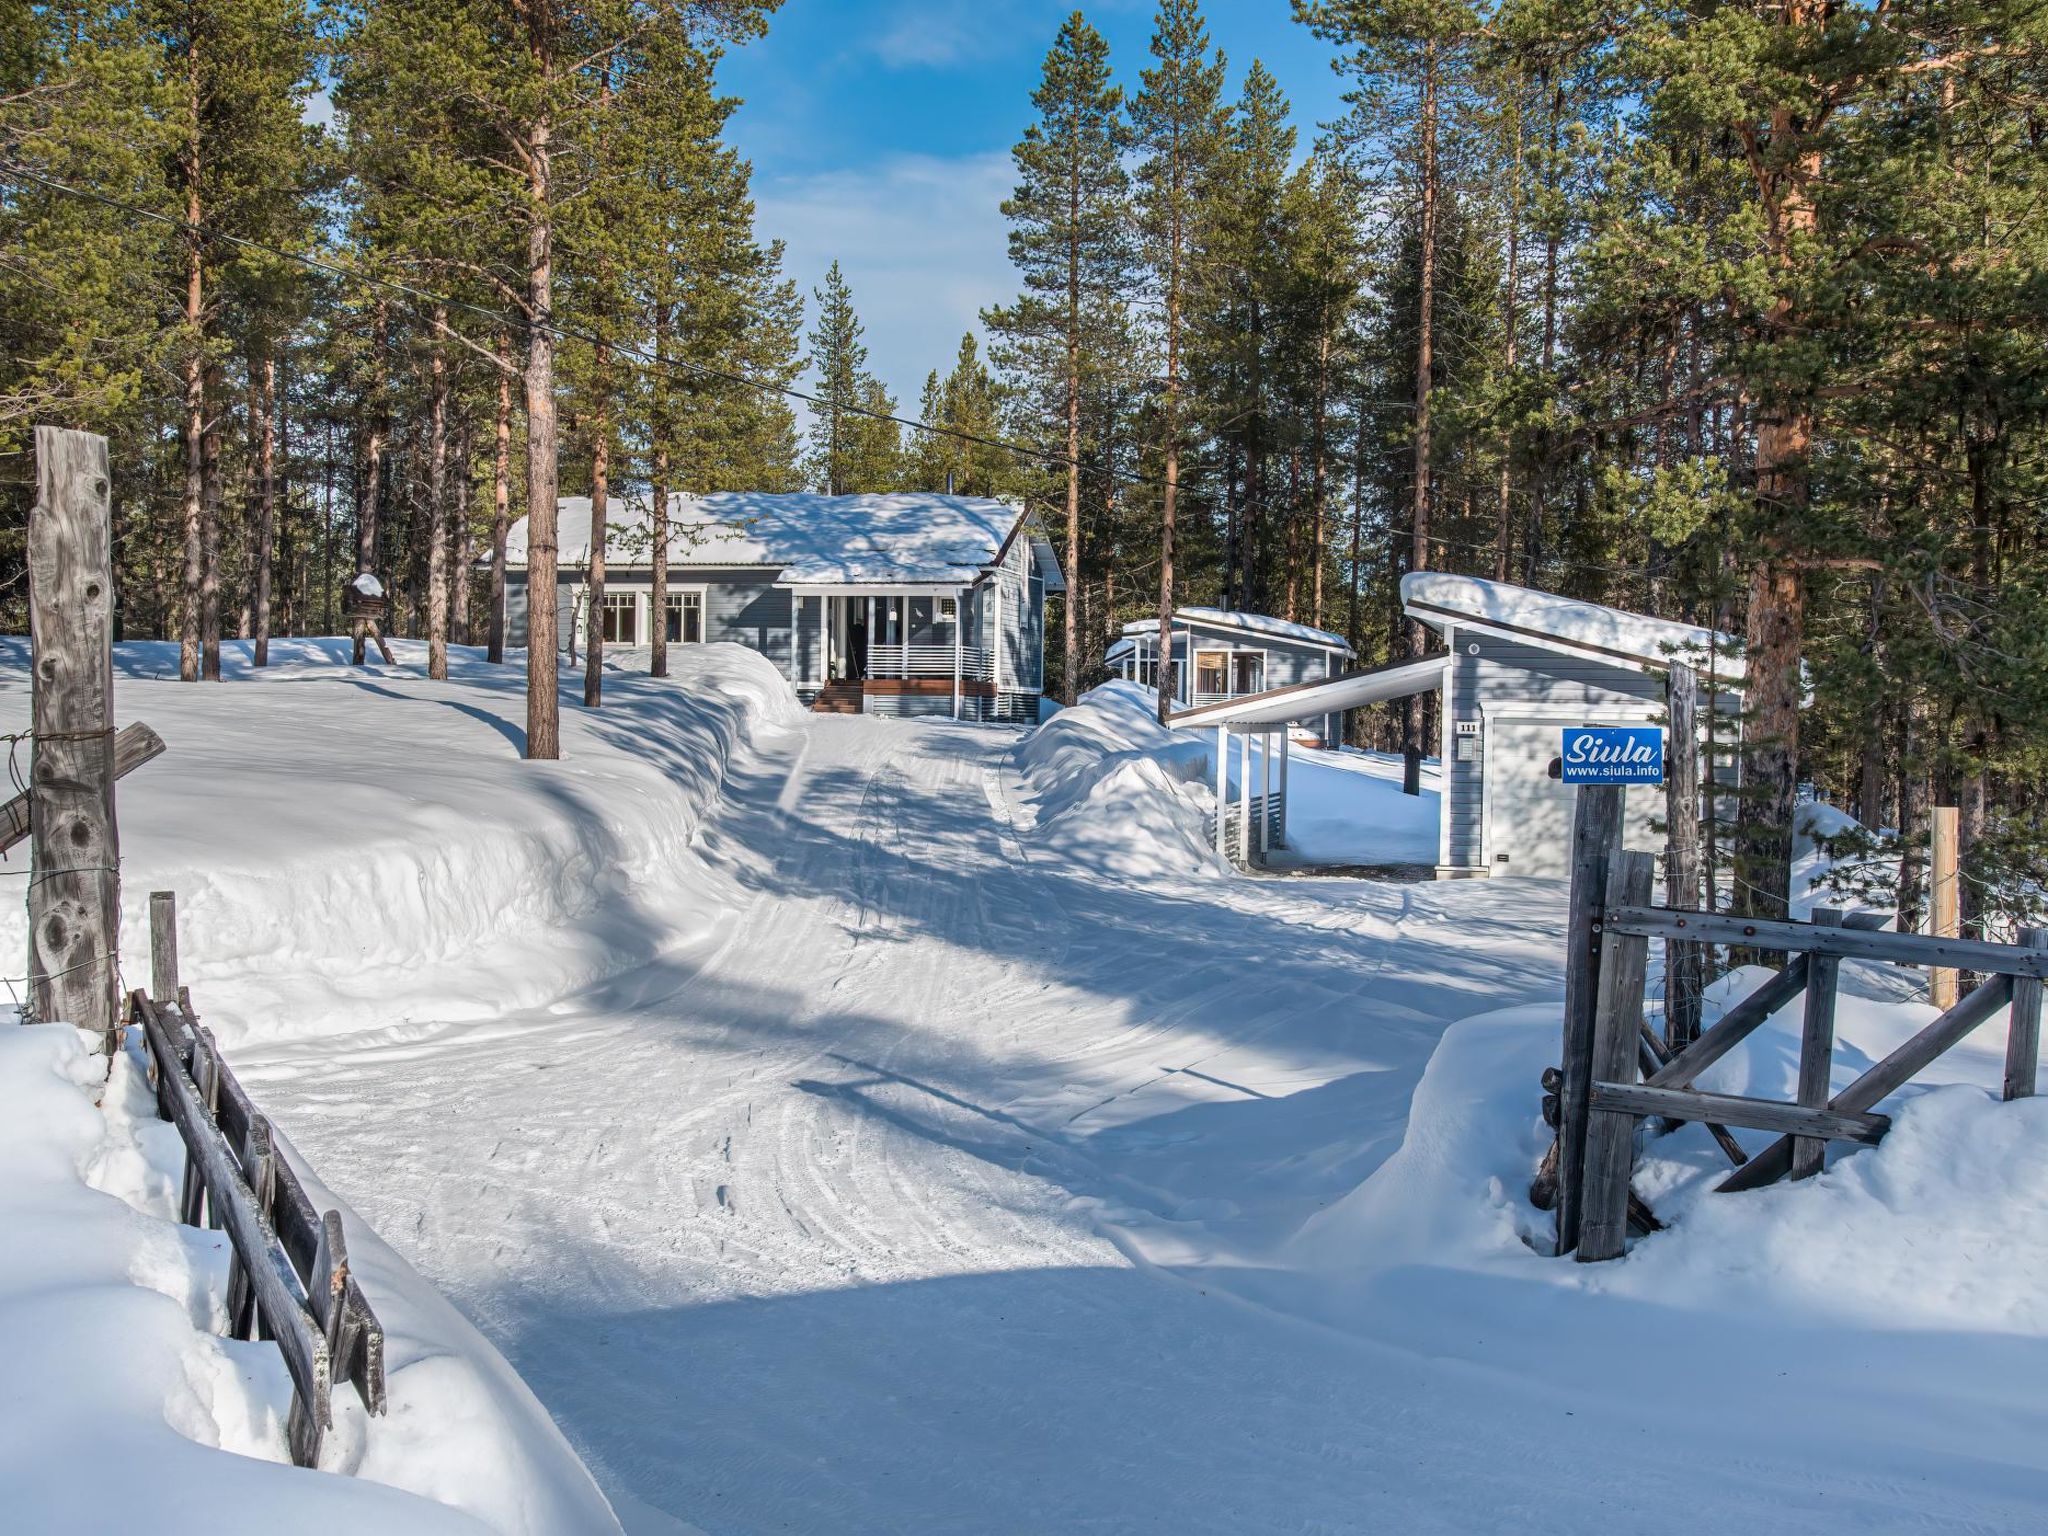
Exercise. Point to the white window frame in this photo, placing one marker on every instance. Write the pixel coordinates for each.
(625, 601)
(675, 595)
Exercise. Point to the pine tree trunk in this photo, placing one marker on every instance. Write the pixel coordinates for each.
(658, 667)
(600, 509)
(1318, 453)
(1168, 683)
(464, 542)
(209, 536)
(190, 507)
(1418, 545)
(371, 491)
(266, 501)
(543, 704)
(1913, 819)
(1070, 673)
(1510, 322)
(1777, 581)
(437, 502)
(501, 499)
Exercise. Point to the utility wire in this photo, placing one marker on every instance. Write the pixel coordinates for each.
(1034, 452)
(201, 231)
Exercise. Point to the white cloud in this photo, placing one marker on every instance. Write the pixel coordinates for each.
(921, 240)
(941, 33)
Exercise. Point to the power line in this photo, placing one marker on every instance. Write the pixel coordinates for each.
(1039, 453)
(1034, 451)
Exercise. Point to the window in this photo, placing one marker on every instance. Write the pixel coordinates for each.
(622, 618)
(1229, 673)
(685, 617)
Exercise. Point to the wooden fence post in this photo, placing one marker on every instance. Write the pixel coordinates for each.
(2023, 1035)
(163, 948)
(1596, 837)
(1944, 905)
(1685, 964)
(1617, 1022)
(74, 907)
(1817, 1047)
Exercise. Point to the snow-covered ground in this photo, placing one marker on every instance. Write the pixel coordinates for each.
(861, 1125)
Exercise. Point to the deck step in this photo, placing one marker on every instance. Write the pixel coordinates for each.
(838, 699)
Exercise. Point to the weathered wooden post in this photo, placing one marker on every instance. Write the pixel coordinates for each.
(1817, 1047)
(1945, 892)
(1685, 964)
(163, 948)
(1618, 1021)
(2023, 1035)
(1596, 837)
(74, 906)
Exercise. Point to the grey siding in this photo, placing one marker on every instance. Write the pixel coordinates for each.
(1287, 663)
(1521, 679)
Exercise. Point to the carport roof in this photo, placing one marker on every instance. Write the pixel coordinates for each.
(1324, 696)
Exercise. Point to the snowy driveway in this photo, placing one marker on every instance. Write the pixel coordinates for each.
(906, 1195)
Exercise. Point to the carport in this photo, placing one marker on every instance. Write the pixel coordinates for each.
(1256, 823)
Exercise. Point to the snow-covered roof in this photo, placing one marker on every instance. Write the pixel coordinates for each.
(1048, 567)
(1440, 600)
(1253, 623)
(807, 539)
(1323, 696)
(1120, 649)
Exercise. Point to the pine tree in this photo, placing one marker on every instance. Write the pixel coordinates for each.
(1178, 120)
(1069, 241)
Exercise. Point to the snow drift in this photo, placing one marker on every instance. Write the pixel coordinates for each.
(1118, 793)
(110, 1319)
(353, 849)
(379, 852)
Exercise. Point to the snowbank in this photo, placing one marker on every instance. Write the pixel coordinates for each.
(1118, 793)
(353, 849)
(126, 1411)
(1914, 1264)
(380, 853)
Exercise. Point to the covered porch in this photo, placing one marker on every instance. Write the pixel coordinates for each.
(890, 648)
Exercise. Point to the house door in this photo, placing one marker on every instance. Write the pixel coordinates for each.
(856, 637)
(1529, 814)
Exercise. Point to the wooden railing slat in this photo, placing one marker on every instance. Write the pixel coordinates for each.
(1846, 942)
(279, 1299)
(1750, 1114)
(1884, 1079)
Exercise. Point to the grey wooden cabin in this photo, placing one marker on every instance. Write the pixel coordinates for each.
(1220, 654)
(907, 604)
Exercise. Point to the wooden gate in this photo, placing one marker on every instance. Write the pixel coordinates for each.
(1617, 1071)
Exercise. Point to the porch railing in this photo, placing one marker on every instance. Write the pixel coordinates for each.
(927, 661)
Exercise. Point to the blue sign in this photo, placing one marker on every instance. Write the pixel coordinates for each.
(1612, 754)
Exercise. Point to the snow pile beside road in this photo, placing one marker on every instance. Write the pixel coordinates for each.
(365, 848)
(128, 1412)
(1913, 1266)
(1118, 793)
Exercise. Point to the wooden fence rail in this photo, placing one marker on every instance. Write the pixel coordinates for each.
(289, 1279)
(1616, 1072)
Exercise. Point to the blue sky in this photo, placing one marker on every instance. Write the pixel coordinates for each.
(880, 132)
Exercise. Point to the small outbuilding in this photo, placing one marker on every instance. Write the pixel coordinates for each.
(1518, 669)
(1523, 666)
(1221, 655)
